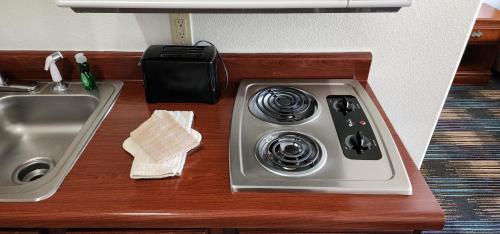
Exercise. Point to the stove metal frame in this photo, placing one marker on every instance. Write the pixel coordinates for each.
(339, 174)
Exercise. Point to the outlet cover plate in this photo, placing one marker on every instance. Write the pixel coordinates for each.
(180, 26)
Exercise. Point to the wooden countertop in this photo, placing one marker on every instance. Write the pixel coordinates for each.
(488, 12)
(99, 193)
(489, 17)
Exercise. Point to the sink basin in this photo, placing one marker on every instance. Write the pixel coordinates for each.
(44, 132)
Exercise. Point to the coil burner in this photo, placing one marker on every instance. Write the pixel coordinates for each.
(283, 105)
(289, 153)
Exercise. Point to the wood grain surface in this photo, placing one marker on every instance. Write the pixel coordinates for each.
(489, 17)
(481, 53)
(476, 64)
(125, 65)
(298, 65)
(98, 192)
(105, 65)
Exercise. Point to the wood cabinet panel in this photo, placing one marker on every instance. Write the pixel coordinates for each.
(485, 35)
(137, 231)
(320, 232)
(482, 49)
(19, 231)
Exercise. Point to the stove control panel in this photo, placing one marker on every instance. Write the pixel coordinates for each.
(353, 128)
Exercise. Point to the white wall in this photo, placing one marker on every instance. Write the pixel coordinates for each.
(41, 25)
(415, 51)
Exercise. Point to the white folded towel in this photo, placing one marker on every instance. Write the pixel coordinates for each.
(169, 136)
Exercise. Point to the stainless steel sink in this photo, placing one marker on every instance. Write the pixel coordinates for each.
(43, 133)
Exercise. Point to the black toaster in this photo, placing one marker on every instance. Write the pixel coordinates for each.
(180, 74)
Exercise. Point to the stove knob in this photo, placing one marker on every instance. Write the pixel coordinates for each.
(344, 106)
(359, 142)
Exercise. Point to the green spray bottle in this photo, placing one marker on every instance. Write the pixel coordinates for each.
(86, 76)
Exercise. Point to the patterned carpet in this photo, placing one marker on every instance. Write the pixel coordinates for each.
(462, 164)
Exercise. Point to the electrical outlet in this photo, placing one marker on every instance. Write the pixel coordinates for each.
(180, 25)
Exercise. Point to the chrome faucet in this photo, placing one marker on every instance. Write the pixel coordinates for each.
(50, 64)
(3, 81)
(19, 86)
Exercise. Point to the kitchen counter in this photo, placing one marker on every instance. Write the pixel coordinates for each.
(98, 193)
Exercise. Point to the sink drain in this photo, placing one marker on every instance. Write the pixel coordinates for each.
(32, 170)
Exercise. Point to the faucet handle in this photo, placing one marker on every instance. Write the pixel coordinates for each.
(3, 81)
(52, 58)
(50, 64)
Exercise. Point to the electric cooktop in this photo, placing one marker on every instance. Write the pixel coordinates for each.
(312, 135)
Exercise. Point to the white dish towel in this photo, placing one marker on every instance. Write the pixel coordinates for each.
(164, 131)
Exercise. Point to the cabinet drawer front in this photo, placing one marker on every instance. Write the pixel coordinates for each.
(485, 35)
